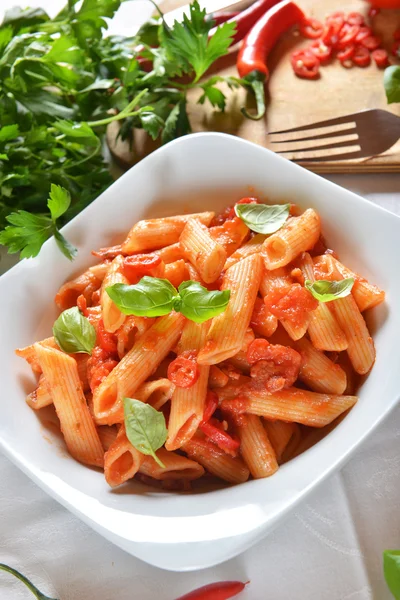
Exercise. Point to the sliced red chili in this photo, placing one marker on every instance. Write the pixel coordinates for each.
(311, 28)
(222, 590)
(347, 35)
(372, 42)
(321, 50)
(211, 405)
(355, 18)
(183, 372)
(361, 57)
(380, 57)
(213, 430)
(346, 53)
(135, 267)
(363, 33)
(249, 200)
(332, 29)
(107, 341)
(305, 64)
(373, 11)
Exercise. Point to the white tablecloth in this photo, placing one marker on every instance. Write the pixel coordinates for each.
(330, 548)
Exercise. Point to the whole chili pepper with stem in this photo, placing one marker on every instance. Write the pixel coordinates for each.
(253, 55)
(26, 581)
(247, 18)
(222, 590)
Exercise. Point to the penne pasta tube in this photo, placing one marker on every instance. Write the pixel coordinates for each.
(318, 371)
(228, 330)
(135, 367)
(252, 246)
(299, 406)
(107, 435)
(280, 434)
(215, 461)
(205, 254)
(175, 467)
(176, 272)
(170, 254)
(100, 270)
(112, 317)
(40, 397)
(30, 355)
(156, 392)
(299, 234)
(187, 404)
(230, 235)
(121, 461)
(217, 378)
(77, 426)
(324, 330)
(85, 284)
(255, 446)
(156, 233)
(131, 330)
(365, 294)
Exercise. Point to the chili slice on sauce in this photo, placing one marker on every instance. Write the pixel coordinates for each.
(183, 372)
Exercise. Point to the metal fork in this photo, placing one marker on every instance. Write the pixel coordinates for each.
(372, 131)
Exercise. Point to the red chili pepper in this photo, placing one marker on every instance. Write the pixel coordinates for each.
(372, 42)
(380, 57)
(363, 33)
(373, 11)
(219, 18)
(347, 35)
(305, 64)
(183, 372)
(211, 405)
(223, 590)
(321, 50)
(346, 53)
(213, 430)
(107, 341)
(247, 18)
(361, 57)
(311, 28)
(253, 55)
(355, 18)
(135, 267)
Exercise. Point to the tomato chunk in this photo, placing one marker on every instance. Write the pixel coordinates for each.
(311, 28)
(290, 303)
(135, 267)
(107, 341)
(100, 364)
(380, 57)
(361, 56)
(183, 372)
(211, 405)
(273, 365)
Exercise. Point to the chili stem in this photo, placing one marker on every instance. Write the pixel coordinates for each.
(26, 581)
(259, 93)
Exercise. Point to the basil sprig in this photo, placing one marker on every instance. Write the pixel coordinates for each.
(391, 569)
(73, 332)
(154, 297)
(263, 218)
(326, 291)
(145, 427)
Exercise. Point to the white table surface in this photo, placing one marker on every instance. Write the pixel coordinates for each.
(330, 548)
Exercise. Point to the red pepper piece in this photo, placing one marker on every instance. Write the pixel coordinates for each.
(253, 55)
(107, 341)
(219, 18)
(361, 57)
(380, 57)
(363, 33)
(346, 53)
(305, 64)
(311, 28)
(355, 18)
(347, 35)
(321, 50)
(334, 24)
(372, 42)
(183, 372)
(135, 267)
(213, 430)
(211, 405)
(223, 590)
(247, 18)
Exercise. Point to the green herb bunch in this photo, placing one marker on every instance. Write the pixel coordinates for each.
(62, 82)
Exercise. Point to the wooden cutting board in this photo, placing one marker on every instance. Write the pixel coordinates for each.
(294, 101)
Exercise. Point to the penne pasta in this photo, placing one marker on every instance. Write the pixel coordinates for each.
(227, 332)
(79, 431)
(176, 467)
(205, 254)
(255, 446)
(112, 317)
(170, 254)
(107, 435)
(298, 235)
(156, 392)
(40, 397)
(121, 461)
(156, 233)
(317, 371)
(252, 246)
(136, 366)
(187, 404)
(279, 434)
(176, 272)
(86, 284)
(131, 330)
(217, 378)
(215, 461)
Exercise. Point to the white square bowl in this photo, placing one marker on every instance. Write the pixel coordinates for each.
(192, 531)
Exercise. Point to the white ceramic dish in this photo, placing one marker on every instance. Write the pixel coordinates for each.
(172, 531)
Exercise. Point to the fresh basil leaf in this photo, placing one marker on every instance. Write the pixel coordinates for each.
(326, 291)
(263, 218)
(145, 427)
(151, 297)
(391, 83)
(59, 201)
(73, 332)
(391, 569)
(199, 304)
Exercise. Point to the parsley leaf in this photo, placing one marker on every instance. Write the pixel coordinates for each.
(213, 95)
(59, 201)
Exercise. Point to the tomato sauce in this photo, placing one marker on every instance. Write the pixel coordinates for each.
(290, 303)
